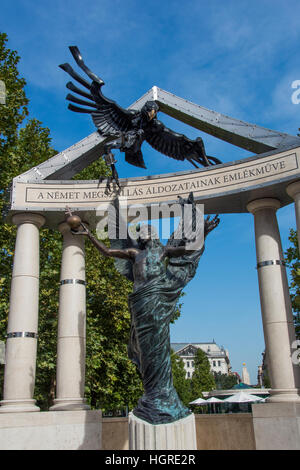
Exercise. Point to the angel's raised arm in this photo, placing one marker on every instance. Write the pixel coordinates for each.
(128, 253)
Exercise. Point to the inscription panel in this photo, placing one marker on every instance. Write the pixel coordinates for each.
(163, 188)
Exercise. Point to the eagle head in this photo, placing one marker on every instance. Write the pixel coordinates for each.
(150, 110)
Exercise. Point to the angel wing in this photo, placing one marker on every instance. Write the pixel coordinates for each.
(178, 146)
(183, 268)
(120, 238)
(190, 229)
(109, 118)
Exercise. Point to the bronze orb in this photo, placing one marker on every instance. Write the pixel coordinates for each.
(74, 221)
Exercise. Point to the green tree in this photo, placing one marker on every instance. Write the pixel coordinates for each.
(203, 379)
(12, 115)
(293, 261)
(224, 381)
(266, 379)
(111, 379)
(15, 110)
(181, 384)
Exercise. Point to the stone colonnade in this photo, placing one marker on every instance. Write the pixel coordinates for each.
(22, 330)
(21, 346)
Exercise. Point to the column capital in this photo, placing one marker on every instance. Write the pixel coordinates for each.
(29, 218)
(293, 189)
(265, 203)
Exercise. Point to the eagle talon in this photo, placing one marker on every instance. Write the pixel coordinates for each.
(108, 187)
(115, 176)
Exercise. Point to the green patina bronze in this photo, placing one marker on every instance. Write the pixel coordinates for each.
(159, 274)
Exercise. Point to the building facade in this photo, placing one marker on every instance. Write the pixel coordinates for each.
(218, 357)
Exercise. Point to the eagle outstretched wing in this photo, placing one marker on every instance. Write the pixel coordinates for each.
(113, 121)
(109, 118)
(177, 146)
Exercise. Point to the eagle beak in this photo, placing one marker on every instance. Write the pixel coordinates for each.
(152, 114)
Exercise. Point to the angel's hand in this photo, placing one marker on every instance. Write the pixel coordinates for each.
(85, 231)
(210, 225)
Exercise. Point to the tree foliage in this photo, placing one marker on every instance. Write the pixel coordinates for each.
(293, 260)
(181, 384)
(13, 113)
(111, 379)
(203, 379)
(225, 381)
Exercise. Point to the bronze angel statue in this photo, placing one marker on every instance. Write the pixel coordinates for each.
(128, 129)
(159, 273)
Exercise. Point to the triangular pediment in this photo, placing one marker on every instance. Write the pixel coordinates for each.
(189, 350)
(251, 137)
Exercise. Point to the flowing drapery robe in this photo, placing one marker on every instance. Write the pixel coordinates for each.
(152, 307)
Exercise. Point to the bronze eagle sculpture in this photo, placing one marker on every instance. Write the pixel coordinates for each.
(128, 129)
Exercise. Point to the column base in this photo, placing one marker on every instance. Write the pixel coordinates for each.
(69, 404)
(179, 435)
(18, 406)
(283, 396)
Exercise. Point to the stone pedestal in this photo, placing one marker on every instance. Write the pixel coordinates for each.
(180, 435)
(70, 375)
(22, 330)
(276, 426)
(61, 430)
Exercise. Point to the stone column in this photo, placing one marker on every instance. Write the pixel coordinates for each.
(70, 375)
(276, 308)
(21, 345)
(293, 190)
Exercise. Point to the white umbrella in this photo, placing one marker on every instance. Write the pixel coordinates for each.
(199, 401)
(214, 400)
(242, 397)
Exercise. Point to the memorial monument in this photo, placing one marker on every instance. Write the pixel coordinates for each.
(260, 185)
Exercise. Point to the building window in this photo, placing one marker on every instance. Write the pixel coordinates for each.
(219, 363)
(188, 375)
(193, 363)
(188, 363)
(214, 363)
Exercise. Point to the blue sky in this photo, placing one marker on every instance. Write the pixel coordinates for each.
(235, 57)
